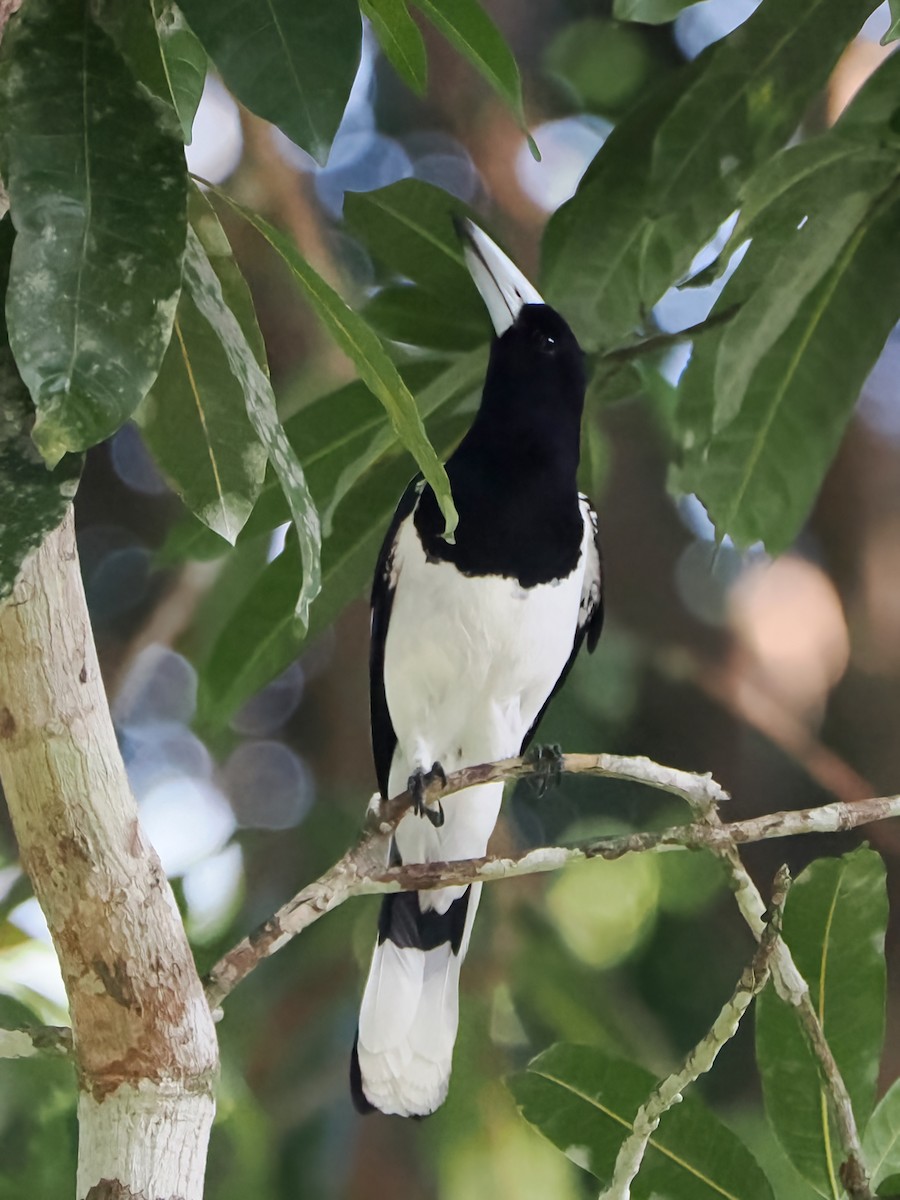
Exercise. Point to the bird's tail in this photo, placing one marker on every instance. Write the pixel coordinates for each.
(410, 1008)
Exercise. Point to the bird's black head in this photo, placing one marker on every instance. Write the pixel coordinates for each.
(537, 368)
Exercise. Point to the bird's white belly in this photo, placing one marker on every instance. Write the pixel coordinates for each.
(470, 661)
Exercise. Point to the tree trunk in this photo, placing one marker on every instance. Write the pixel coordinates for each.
(144, 1038)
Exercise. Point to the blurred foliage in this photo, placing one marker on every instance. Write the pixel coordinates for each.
(127, 297)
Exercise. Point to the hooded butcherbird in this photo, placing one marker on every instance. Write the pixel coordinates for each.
(470, 640)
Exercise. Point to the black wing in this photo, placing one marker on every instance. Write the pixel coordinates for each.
(590, 615)
(384, 739)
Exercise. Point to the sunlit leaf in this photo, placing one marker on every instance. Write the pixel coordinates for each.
(97, 189)
(400, 38)
(33, 499)
(292, 63)
(195, 420)
(206, 292)
(834, 923)
(368, 354)
(584, 1101)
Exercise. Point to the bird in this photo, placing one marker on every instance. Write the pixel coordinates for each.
(470, 640)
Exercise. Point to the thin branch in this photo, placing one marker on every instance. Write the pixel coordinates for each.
(701, 1058)
(665, 341)
(29, 1041)
(793, 988)
(362, 870)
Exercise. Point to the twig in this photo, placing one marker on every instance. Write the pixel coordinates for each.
(701, 1058)
(665, 341)
(362, 869)
(793, 988)
(28, 1041)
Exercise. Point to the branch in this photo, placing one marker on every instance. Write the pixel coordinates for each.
(665, 341)
(28, 1041)
(701, 1058)
(793, 988)
(362, 870)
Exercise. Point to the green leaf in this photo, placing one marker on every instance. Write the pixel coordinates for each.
(154, 39)
(33, 500)
(292, 63)
(881, 1142)
(184, 62)
(417, 318)
(97, 191)
(834, 923)
(408, 227)
(363, 346)
(584, 1102)
(205, 290)
(468, 28)
(328, 435)
(260, 639)
(801, 262)
(749, 475)
(893, 31)
(401, 40)
(651, 12)
(465, 374)
(671, 172)
(194, 418)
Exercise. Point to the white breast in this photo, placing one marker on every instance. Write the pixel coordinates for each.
(470, 661)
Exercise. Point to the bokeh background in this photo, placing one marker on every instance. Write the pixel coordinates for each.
(781, 677)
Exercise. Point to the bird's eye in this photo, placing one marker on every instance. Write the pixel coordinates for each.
(543, 342)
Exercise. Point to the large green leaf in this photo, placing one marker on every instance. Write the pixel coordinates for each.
(291, 62)
(33, 499)
(585, 1102)
(260, 639)
(408, 227)
(468, 28)
(881, 1143)
(336, 433)
(893, 31)
(205, 291)
(834, 923)
(368, 354)
(97, 190)
(194, 418)
(162, 52)
(759, 475)
(414, 317)
(400, 38)
(670, 173)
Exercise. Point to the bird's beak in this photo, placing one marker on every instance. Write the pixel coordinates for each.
(503, 287)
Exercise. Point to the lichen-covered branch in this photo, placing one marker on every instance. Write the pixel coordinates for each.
(362, 870)
(29, 1041)
(791, 985)
(701, 1058)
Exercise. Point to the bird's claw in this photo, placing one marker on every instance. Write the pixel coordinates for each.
(419, 783)
(547, 762)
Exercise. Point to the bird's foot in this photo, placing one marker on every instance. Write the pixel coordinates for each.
(418, 784)
(547, 762)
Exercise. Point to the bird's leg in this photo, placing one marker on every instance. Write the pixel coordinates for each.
(417, 785)
(548, 763)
